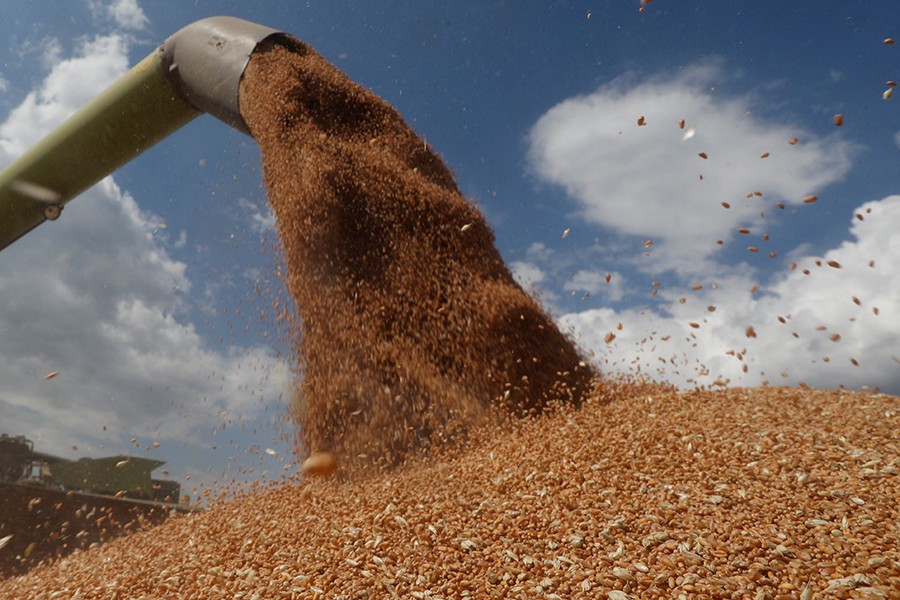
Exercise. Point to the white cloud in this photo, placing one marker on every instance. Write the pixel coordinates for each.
(128, 14)
(47, 49)
(815, 307)
(585, 281)
(97, 298)
(51, 52)
(262, 218)
(538, 251)
(125, 13)
(897, 139)
(595, 282)
(645, 180)
(4, 84)
(94, 297)
(535, 278)
(526, 274)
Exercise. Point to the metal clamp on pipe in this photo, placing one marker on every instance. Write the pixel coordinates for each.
(196, 70)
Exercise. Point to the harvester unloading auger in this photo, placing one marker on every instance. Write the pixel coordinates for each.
(196, 70)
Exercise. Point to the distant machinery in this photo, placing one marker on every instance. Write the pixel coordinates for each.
(15, 457)
(121, 476)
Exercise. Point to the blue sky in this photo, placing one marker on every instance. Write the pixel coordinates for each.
(144, 296)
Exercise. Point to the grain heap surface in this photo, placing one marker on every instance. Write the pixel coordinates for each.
(647, 493)
(412, 324)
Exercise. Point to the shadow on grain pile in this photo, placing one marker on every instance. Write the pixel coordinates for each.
(413, 329)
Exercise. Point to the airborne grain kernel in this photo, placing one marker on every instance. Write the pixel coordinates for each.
(319, 464)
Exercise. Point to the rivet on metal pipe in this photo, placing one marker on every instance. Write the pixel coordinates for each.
(196, 70)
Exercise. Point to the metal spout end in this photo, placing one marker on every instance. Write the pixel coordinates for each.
(205, 60)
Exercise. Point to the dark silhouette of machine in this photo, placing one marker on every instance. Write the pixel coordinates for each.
(51, 506)
(120, 476)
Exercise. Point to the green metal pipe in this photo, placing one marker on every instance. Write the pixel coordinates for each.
(196, 70)
(135, 113)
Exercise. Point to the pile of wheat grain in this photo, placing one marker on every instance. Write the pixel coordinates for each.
(643, 493)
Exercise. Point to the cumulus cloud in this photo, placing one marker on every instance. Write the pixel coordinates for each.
(680, 306)
(262, 218)
(608, 284)
(47, 50)
(51, 52)
(127, 14)
(537, 273)
(97, 298)
(651, 180)
(831, 321)
(526, 274)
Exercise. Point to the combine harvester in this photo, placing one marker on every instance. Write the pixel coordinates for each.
(120, 476)
(50, 506)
